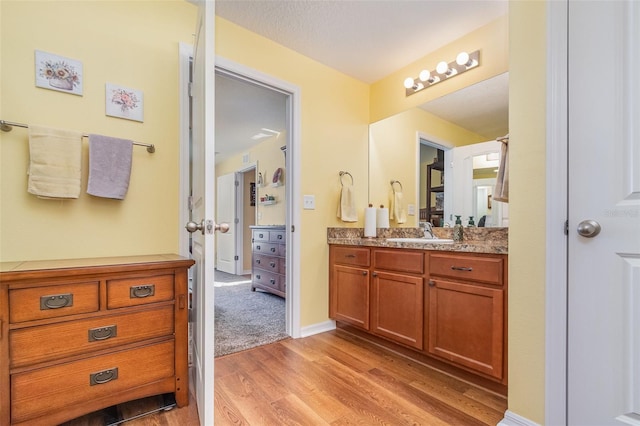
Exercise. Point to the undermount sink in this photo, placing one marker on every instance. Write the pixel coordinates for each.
(420, 240)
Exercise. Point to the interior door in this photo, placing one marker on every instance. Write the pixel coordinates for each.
(226, 212)
(604, 194)
(203, 196)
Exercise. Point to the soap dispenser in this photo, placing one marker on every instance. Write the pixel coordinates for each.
(457, 230)
(471, 223)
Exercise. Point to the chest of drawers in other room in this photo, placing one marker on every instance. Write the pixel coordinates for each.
(268, 259)
(79, 335)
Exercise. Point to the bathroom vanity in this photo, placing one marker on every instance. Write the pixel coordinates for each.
(444, 301)
(80, 335)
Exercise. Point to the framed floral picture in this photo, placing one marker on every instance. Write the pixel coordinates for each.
(123, 102)
(56, 72)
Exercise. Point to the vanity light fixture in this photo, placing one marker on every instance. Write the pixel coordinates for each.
(464, 62)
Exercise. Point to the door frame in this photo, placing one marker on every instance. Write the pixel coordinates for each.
(557, 146)
(240, 226)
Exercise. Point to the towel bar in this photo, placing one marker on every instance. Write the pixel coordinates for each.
(7, 126)
(345, 173)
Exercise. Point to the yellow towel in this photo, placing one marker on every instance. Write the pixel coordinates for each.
(55, 162)
(347, 206)
(397, 211)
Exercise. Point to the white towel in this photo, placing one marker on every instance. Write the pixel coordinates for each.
(347, 206)
(109, 166)
(397, 211)
(55, 162)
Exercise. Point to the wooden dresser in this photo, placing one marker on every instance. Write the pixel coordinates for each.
(268, 259)
(80, 335)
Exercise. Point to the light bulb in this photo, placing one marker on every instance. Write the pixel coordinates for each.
(442, 67)
(425, 75)
(408, 83)
(463, 59)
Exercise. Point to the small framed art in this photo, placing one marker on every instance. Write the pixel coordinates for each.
(123, 102)
(56, 72)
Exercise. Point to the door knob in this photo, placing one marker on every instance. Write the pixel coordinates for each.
(589, 228)
(206, 225)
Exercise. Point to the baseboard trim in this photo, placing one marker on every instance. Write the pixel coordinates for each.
(513, 419)
(320, 327)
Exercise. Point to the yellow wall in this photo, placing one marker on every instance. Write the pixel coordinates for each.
(334, 118)
(388, 95)
(393, 154)
(130, 43)
(527, 205)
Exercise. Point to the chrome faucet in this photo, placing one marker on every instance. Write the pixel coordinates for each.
(428, 229)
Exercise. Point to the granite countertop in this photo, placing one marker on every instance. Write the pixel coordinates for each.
(476, 240)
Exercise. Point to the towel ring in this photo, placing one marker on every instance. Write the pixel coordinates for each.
(398, 182)
(345, 173)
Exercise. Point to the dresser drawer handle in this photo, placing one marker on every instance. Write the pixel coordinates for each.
(258, 261)
(56, 301)
(350, 256)
(273, 249)
(272, 264)
(104, 376)
(140, 291)
(258, 247)
(279, 236)
(461, 268)
(257, 276)
(103, 333)
(272, 281)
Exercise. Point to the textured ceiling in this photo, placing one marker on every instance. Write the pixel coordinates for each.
(366, 39)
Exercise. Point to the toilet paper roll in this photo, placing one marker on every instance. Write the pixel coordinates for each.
(382, 218)
(370, 222)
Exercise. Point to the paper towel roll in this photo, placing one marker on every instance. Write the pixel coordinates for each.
(370, 222)
(382, 218)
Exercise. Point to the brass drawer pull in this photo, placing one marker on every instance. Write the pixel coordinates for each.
(461, 268)
(56, 301)
(140, 291)
(103, 333)
(104, 376)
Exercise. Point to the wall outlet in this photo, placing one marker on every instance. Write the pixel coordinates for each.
(309, 202)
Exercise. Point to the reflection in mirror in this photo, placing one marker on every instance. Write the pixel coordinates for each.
(403, 146)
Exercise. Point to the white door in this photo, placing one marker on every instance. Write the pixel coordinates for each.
(604, 187)
(203, 194)
(226, 212)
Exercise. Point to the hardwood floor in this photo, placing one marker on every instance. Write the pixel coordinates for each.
(333, 378)
(336, 378)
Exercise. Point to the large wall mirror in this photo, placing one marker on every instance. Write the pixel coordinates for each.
(445, 155)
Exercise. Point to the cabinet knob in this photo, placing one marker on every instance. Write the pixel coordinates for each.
(375, 274)
(432, 283)
(364, 272)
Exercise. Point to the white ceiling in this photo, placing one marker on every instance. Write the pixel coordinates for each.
(368, 40)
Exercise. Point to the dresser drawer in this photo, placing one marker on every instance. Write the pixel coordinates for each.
(487, 269)
(268, 263)
(55, 341)
(139, 291)
(277, 236)
(35, 392)
(267, 248)
(399, 260)
(53, 301)
(267, 279)
(260, 235)
(351, 256)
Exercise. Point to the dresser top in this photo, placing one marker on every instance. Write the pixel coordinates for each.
(167, 260)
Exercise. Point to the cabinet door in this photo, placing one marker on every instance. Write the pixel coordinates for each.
(466, 325)
(397, 308)
(349, 295)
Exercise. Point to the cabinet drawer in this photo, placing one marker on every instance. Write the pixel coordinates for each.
(33, 393)
(475, 268)
(267, 248)
(268, 263)
(277, 236)
(268, 279)
(139, 291)
(351, 256)
(55, 341)
(53, 301)
(260, 235)
(399, 260)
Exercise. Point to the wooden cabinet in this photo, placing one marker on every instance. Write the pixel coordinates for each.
(349, 289)
(268, 259)
(435, 189)
(447, 305)
(81, 335)
(397, 307)
(466, 313)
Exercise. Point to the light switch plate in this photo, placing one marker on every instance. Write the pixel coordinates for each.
(411, 209)
(309, 202)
